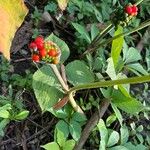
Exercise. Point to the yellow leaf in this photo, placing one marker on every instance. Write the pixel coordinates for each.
(62, 4)
(12, 14)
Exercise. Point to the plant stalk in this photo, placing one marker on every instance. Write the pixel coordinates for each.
(138, 2)
(65, 87)
(132, 80)
(57, 73)
(92, 123)
(143, 25)
(102, 34)
(98, 38)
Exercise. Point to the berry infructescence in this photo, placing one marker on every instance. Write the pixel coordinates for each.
(131, 10)
(44, 51)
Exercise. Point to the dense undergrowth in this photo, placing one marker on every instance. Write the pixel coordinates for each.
(86, 100)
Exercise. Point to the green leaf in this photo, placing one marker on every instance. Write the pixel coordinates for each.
(60, 139)
(139, 128)
(118, 148)
(4, 113)
(98, 14)
(79, 117)
(147, 59)
(78, 73)
(127, 104)
(114, 2)
(107, 92)
(58, 113)
(94, 31)
(82, 30)
(62, 113)
(22, 115)
(46, 88)
(3, 124)
(117, 112)
(62, 132)
(124, 134)
(111, 69)
(137, 67)
(89, 60)
(140, 147)
(117, 45)
(140, 138)
(130, 146)
(131, 55)
(75, 130)
(6, 106)
(69, 145)
(113, 138)
(98, 63)
(51, 146)
(110, 119)
(65, 52)
(124, 88)
(103, 134)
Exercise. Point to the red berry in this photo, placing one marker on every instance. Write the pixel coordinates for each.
(40, 45)
(42, 52)
(134, 9)
(52, 53)
(39, 42)
(128, 10)
(35, 58)
(39, 39)
(32, 45)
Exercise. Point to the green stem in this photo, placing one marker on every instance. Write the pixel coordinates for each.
(143, 25)
(138, 2)
(59, 77)
(74, 104)
(132, 80)
(98, 38)
(102, 34)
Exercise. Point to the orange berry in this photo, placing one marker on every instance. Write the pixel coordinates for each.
(52, 53)
(55, 61)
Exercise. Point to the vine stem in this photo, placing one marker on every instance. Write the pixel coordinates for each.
(57, 73)
(92, 123)
(102, 34)
(132, 80)
(98, 38)
(138, 2)
(143, 25)
(65, 87)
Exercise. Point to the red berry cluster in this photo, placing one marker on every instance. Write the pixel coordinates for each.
(44, 51)
(131, 10)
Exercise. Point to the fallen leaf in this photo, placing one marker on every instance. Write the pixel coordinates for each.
(62, 4)
(12, 14)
